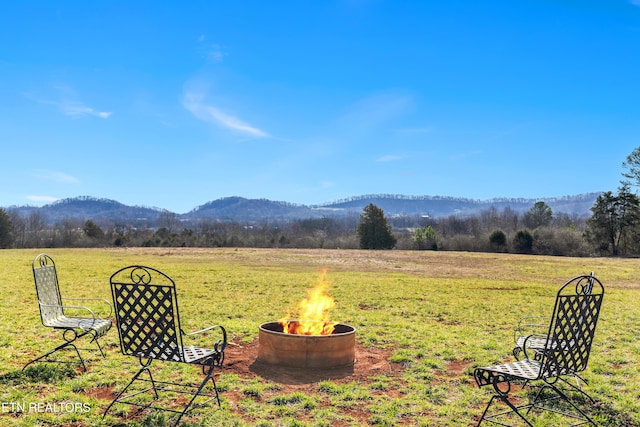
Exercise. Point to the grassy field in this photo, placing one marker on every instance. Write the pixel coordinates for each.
(424, 320)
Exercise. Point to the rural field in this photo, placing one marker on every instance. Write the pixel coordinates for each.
(424, 320)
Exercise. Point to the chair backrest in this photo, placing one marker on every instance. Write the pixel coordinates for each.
(573, 326)
(47, 289)
(146, 307)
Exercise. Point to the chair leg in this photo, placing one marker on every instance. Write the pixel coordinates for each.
(95, 339)
(208, 370)
(67, 343)
(577, 387)
(507, 402)
(144, 368)
(486, 409)
(583, 416)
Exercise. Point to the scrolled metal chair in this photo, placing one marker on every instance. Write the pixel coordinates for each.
(54, 314)
(531, 332)
(546, 358)
(149, 328)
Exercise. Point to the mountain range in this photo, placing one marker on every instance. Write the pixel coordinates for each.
(240, 209)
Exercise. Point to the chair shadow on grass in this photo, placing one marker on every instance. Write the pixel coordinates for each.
(41, 373)
(602, 411)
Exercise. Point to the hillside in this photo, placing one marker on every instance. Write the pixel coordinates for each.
(437, 206)
(240, 209)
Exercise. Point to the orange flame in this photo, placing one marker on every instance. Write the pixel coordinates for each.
(313, 316)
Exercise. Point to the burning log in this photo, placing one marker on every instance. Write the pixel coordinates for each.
(313, 312)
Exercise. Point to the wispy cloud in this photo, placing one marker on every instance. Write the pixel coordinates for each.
(194, 102)
(69, 106)
(635, 2)
(41, 198)
(215, 53)
(77, 110)
(55, 176)
(388, 158)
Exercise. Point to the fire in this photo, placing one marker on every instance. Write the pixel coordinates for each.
(313, 312)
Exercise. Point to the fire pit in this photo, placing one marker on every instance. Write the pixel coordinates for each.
(312, 341)
(334, 350)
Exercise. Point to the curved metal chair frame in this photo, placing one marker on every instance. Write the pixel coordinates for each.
(563, 351)
(53, 314)
(531, 332)
(148, 323)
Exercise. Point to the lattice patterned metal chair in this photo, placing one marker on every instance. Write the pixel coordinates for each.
(148, 323)
(545, 359)
(55, 314)
(532, 330)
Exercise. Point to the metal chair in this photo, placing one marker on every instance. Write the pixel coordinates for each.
(532, 330)
(54, 314)
(148, 323)
(549, 358)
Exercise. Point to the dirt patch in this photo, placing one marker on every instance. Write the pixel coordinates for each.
(455, 368)
(101, 393)
(242, 360)
(370, 363)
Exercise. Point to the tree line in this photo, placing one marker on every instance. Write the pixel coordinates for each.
(612, 229)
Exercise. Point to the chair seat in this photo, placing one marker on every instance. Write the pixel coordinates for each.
(196, 354)
(100, 326)
(526, 369)
(191, 354)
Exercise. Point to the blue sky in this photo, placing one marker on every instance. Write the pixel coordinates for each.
(174, 104)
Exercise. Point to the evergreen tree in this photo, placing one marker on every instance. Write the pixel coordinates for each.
(373, 230)
(498, 241)
(614, 217)
(93, 230)
(6, 229)
(523, 242)
(539, 215)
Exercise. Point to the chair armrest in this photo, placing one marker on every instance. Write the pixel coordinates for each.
(93, 317)
(535, 343)
(101, 300)
(219, 345)
(74, 307)
(529, 325)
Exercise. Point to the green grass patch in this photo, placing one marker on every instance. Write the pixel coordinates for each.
(437, 315)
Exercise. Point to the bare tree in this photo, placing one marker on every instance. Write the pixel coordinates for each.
(36, 230)
(168, 220)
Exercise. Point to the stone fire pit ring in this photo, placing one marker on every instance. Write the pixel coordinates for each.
(336, 350)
